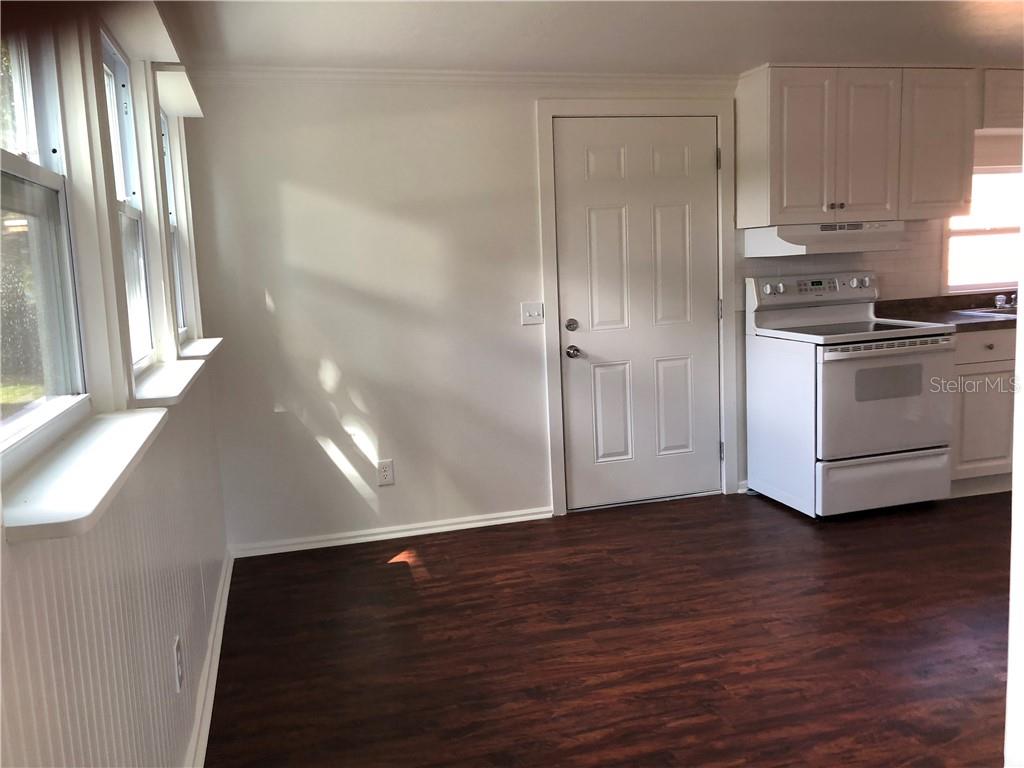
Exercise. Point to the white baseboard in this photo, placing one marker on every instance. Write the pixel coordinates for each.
(390, 532)
(196, 754)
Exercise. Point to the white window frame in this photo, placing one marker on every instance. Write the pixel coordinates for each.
(28, 437)
(948, 233)
(178, 267)
(186, 237)
(33, 432)
(133, 203)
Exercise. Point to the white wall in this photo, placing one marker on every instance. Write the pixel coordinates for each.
(1014, 743)
(363, 247)
(88, 621)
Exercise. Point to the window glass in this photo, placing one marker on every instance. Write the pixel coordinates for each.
(985, 247)
(113, 109)
(139, 327)
(176, 266)
(179, 282)
(995, 202)
(17, 119)
(121, 128)
(40, 358)
(984, 259)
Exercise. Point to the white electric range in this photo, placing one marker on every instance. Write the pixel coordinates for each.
(845, 411)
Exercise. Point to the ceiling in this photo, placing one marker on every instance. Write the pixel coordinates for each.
(698, 38)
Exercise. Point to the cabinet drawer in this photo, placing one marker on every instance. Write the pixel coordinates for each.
(985, 346)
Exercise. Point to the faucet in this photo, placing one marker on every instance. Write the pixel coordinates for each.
(1002, 303)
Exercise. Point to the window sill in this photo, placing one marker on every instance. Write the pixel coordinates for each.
(166, 384)
(199, 349)
(65, 492)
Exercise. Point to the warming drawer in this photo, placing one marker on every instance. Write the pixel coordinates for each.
(881, 481)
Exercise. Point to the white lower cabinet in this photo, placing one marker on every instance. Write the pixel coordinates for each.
(983, 405)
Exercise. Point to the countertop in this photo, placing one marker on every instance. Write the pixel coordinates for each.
(947, 309)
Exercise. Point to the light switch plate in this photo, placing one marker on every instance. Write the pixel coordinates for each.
(531, 313)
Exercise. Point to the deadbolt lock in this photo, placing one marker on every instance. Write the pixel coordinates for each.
(571, 324)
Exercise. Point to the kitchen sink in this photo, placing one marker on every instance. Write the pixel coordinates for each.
(1007, 312)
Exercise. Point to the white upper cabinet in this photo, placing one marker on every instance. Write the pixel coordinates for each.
(823, 144)
(939, 116)
(802, 110)
(867, 144)
(1004, 98)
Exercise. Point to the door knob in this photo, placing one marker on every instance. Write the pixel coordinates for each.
(572, 351)
(572, 324)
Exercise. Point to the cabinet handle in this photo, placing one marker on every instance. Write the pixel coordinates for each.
(831, 206)
(990, 346)
(842, 205)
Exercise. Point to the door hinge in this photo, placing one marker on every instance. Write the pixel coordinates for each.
(721, 314)
(721, 451)
(718, 157)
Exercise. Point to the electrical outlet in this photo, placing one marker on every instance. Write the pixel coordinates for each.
(179, 665)
(386, 472)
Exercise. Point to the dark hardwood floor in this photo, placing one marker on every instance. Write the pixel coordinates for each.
(722, 631)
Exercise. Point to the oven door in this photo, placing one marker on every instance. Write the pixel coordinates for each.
(885, 396)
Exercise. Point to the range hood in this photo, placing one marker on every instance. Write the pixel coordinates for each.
(803, 239)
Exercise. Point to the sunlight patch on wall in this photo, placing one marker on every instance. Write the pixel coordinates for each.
(351, 473)
(329, 375)
(357, 399)
(362, 436)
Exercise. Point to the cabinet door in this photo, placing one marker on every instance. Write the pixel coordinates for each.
(867, 144)
(802, 144)
(1004, 98)
(983, 420)
(939, 116)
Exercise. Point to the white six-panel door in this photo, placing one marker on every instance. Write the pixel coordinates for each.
(637, 229)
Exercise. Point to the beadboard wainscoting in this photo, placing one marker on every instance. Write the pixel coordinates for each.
(89, 621)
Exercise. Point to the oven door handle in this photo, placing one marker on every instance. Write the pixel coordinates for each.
(844, 352)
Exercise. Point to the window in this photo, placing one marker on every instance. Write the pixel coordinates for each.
(121, 126)
(18, 120)
(984, 248)
(40, 363)
(41, 372)
(177, 268)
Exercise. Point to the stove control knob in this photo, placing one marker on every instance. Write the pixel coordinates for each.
(780, 288)
(854, 282)
(865, 281)
(767, 288)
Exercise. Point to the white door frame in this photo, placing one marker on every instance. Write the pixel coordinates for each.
(722, 109)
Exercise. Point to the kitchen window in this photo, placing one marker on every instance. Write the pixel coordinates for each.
(177, 267)
(42, 381)
(121, 127)
(984, 248)
(17, 129)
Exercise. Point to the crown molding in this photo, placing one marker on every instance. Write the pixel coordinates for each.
(260, 75)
